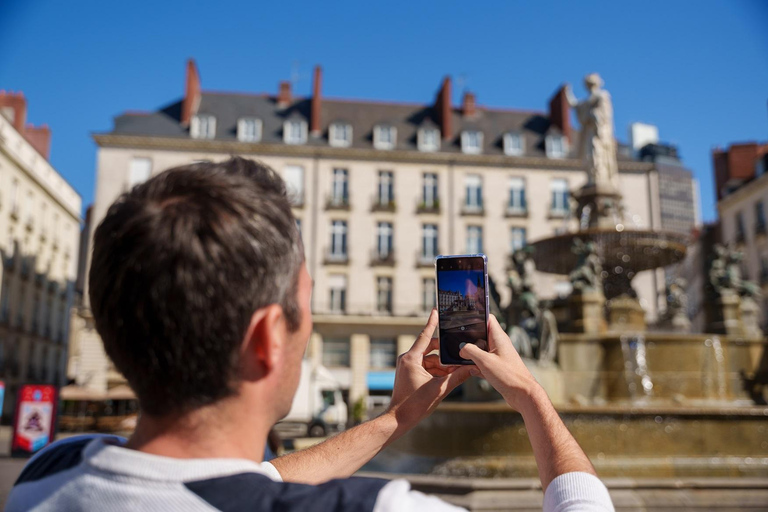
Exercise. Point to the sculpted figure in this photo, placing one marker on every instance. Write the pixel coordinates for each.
(597, 145)
(587, 276)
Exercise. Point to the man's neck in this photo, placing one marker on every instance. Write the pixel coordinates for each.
(223, 430)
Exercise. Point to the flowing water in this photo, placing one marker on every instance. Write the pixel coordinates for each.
(636, 366)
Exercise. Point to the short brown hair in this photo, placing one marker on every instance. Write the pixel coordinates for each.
(180, 263)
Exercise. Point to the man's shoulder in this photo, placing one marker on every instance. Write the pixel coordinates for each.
(59, 456)
(254, 491)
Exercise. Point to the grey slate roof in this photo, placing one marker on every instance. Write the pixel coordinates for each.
(362, 115)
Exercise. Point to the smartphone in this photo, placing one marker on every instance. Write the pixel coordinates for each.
(462, 304)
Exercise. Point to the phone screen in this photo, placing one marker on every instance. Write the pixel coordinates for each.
(462, 303)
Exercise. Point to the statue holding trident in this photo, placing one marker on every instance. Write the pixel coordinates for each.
(597, 145)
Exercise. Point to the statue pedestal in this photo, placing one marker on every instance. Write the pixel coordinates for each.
(626, 314)
(724, 314)
(678, 322)
(750, 317)
(587, 312)
(598, 207)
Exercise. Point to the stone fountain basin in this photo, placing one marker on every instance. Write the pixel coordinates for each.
(627, 249)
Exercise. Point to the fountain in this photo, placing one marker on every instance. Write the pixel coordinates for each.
(642, 403)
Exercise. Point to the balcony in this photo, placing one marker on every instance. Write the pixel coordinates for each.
(558, 213)
(382, 259)
(516, 211)
(296, 200)
(433, 207)
(473, 210)
(335, 258)
(425, 260)
(377, 205)
(337, 203)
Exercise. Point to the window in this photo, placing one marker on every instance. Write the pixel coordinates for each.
(384, 233)
(517, 200)
(336, 352)
(337, 284)
(473, 185)
(429, 191)
(556, 146)
(139, 171)
(384, 294)
(339, 239)
(386, 188)
(15, 197)
(428, 293)
(295, 131)
(471, 142)
(429, 242)
(740, 232)
(513, 144)
(249, 129)
(340, 187)
(384, 136)
(429, 139)
(203, 127)
(517, 239)
(293, 175)
(340, 135)
(559, 193)
(759, 217)
(383, 353)
(474, 239)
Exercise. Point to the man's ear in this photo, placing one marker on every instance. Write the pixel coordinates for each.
(262, 348)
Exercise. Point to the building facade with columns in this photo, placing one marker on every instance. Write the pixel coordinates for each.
(39, 233)
(379, 189)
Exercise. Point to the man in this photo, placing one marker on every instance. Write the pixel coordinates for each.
(200, 293)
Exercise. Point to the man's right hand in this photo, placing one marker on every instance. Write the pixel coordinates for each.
(503, 368)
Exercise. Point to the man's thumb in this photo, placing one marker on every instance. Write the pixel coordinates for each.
(473, 352)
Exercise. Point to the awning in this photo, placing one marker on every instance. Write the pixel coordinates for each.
(73, 392)
(381, 381)
(121, 392)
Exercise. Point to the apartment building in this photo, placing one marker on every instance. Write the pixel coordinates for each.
(742, 198)
(39, 231)
(379, 189)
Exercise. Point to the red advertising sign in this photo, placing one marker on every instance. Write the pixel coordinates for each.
(34, 420)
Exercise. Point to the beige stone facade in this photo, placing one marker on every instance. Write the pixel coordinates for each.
(39, 235)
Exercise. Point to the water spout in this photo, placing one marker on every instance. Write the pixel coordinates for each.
(636, 366)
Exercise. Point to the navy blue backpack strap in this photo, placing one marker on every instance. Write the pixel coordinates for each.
(255, 492)
(58, 457)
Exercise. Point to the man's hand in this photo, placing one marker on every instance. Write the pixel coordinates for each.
(556, 451)
(502, 367)
(421, 382)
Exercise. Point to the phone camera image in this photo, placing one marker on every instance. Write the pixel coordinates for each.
(462, 310)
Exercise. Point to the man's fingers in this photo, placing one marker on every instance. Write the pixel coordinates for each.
(497, 338)
(424, 339)
(432, 365)
(457, 377)
(475, 353)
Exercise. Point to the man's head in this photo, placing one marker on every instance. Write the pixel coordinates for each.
(198, 285)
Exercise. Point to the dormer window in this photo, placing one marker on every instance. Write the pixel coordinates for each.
(471, 142)
(295, 131)
(340, 135)
(429, 139)
(203, 126)
(384, 136)
(557, 146)
(249, 129)
(513, 144)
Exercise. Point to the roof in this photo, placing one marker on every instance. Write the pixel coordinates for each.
(362, 115)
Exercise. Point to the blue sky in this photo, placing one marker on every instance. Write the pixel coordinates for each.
(698, 70)
(463, 281)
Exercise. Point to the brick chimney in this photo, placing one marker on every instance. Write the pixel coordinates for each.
(442, 108)
(192, 93)
(14, 106)
(560, 112)
(40, 138)
(468, 106)
(316, 122)
(284, 94)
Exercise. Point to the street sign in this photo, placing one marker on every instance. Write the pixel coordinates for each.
(34, 419)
